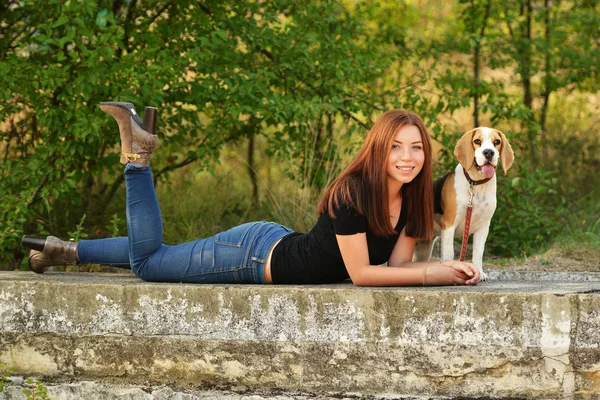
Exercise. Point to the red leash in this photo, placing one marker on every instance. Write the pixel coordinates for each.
(463, 250)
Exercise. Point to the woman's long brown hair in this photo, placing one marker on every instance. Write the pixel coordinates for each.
(363, 184)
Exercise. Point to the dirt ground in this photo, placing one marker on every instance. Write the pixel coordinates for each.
(568, 258)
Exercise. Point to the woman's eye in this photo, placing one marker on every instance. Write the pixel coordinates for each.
(477, 141)
(395, 146)
(417, 147)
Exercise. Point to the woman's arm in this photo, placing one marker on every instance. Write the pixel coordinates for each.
(401, 271)
(437, 272)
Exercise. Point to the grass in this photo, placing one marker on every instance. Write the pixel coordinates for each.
(576, 249)
(200, 204)
(576, 257)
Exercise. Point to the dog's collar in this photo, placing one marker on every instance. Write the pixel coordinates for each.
(475, 183)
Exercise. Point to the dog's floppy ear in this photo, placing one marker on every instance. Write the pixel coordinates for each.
(507, 156)
(464, 151)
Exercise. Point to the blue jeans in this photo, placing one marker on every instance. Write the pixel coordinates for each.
(234, 256)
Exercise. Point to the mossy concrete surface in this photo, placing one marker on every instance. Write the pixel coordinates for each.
(498, 339)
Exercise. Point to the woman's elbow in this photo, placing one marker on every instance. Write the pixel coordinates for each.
(357, 282)
(360, 279)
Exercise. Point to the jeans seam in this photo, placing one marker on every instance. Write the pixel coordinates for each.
(235, 271)
(259, 246)
(201, 274)
(247, 256)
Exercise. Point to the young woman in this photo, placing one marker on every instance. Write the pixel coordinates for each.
(371, 214)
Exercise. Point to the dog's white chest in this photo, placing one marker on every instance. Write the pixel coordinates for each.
(484, 206)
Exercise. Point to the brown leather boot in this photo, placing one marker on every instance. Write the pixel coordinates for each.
(136, 143)
(49, 252)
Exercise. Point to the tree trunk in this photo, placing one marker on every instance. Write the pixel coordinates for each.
(525, 51)
(476, 94)
(477, 59)
(547, 83)
(252, 170)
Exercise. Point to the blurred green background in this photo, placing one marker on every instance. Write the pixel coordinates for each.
(261, 103)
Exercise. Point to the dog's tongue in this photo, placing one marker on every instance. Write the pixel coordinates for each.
(488, 171)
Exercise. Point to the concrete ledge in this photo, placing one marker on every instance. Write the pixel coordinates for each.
(83, 390)
(534, 276)
(498, 339)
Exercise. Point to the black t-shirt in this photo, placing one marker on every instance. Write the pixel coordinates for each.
(315, 257)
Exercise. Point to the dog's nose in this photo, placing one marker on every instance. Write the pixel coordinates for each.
(488, 154)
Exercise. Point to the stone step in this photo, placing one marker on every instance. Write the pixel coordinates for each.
(525, 275)
(89, 390)
(500, 339)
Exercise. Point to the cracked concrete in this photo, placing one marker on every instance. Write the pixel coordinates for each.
(516, 339)
(95, 391)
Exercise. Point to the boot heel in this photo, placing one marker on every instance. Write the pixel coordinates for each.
(30, 242)
(129, 107)
(32, 262)
(150, 115)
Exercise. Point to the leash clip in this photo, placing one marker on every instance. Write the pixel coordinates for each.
(472, 193)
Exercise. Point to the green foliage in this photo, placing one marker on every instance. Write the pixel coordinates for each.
(219, 71)
(530, 213)
(550, 49)
(37, 391)
(5, 373)
(307, 78)
(115, 226)
(78, 234)
(583, 220)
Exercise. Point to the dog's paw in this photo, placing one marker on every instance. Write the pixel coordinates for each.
(483, 275)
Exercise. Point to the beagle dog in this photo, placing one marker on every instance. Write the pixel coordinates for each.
(478, 152)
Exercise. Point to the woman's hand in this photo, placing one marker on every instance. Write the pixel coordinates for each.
(452, 272)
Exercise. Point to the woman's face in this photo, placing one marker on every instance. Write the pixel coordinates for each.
(406, 156)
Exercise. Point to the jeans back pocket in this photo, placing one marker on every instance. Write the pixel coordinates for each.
(234, 237)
